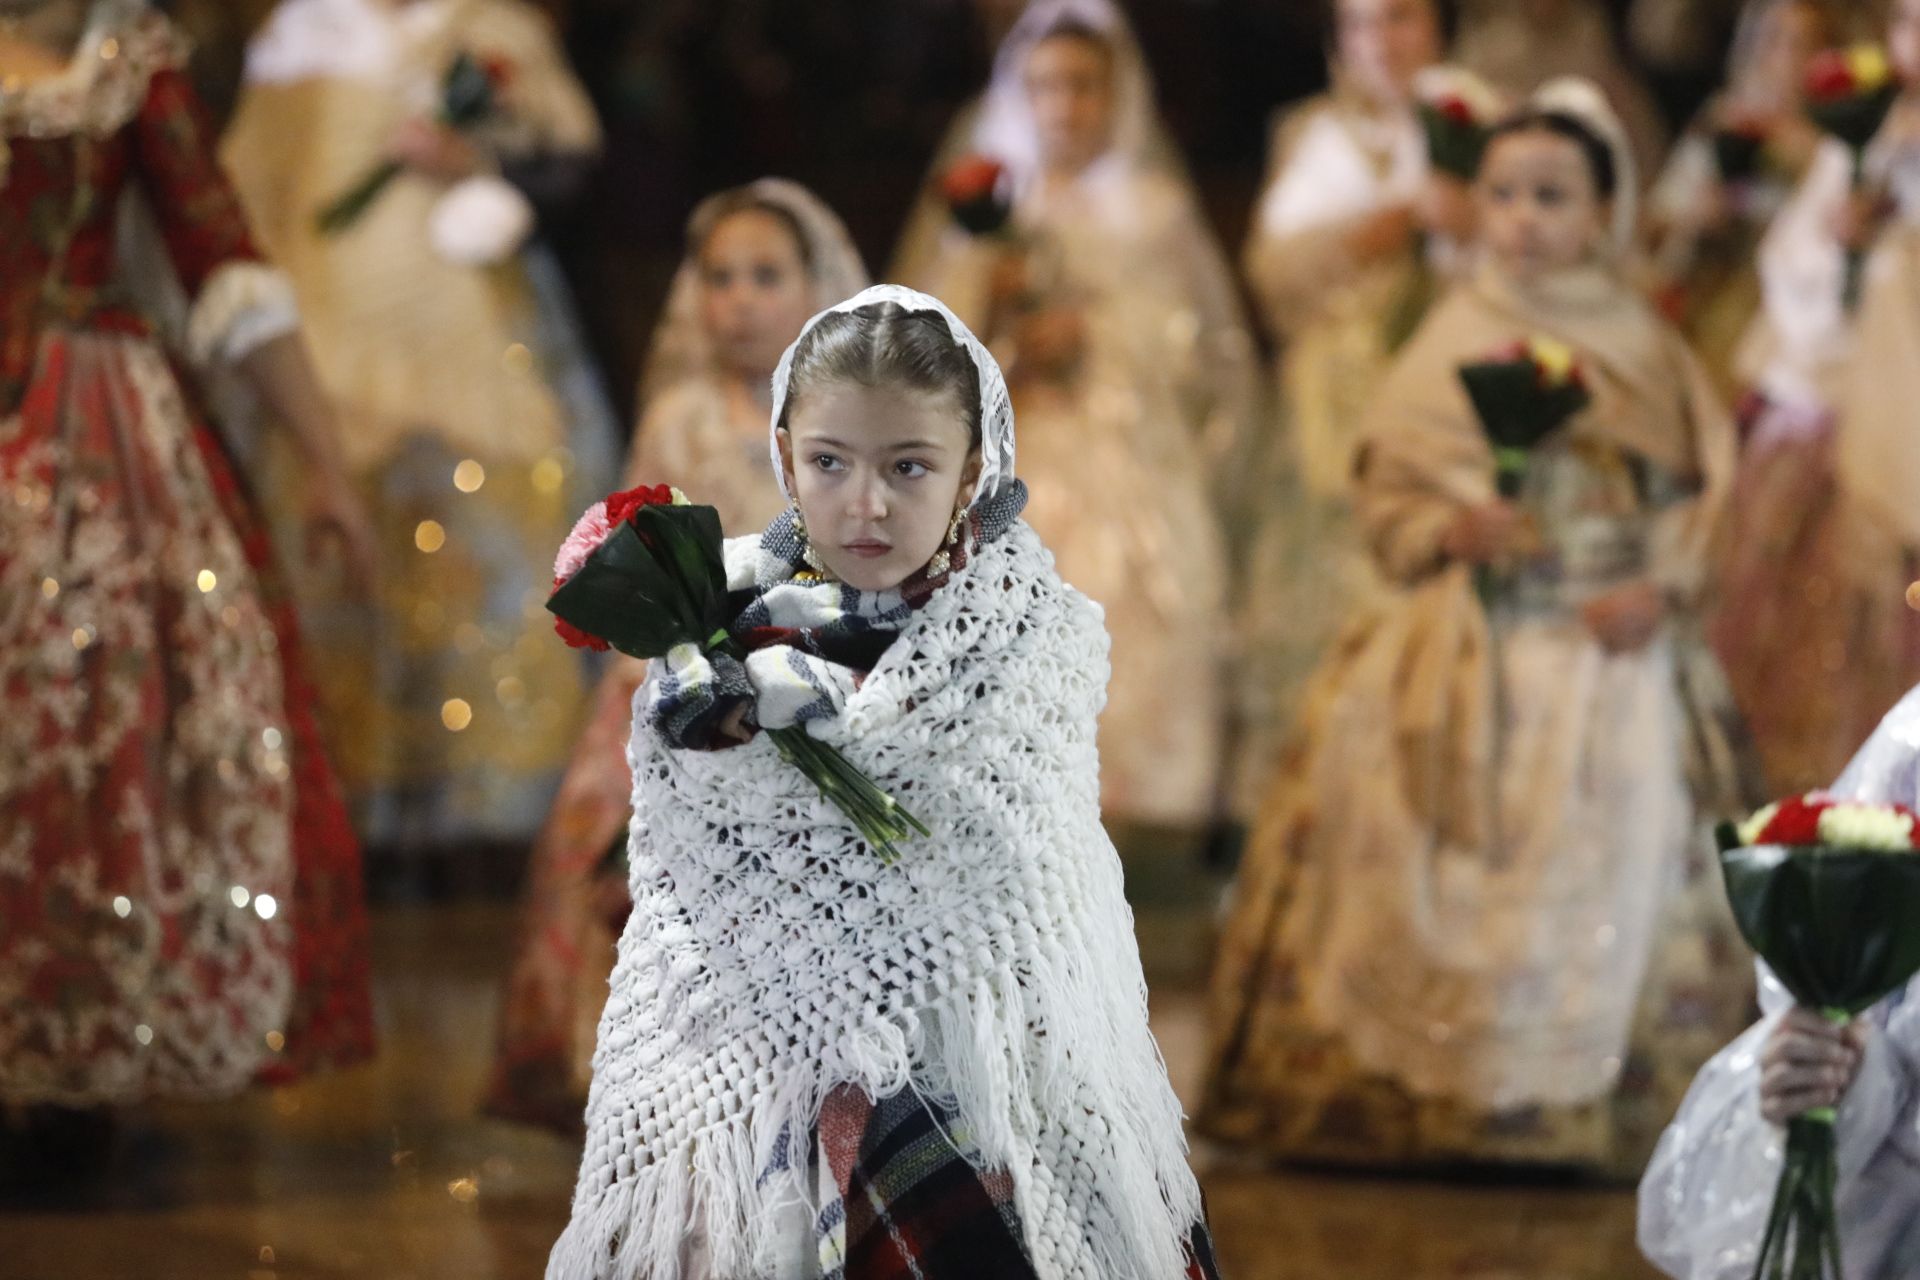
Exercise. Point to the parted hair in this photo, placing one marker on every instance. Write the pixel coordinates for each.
(884, 344)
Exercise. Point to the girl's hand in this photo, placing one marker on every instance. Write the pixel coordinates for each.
(1858, 220)
(1807, 1063)
(1051, 339)
(1490, 532)
(1625, 619)
(1445, 207)
(1010, 279)
(735, 728)
(429, 147)
(1383, 232)
(337, 524)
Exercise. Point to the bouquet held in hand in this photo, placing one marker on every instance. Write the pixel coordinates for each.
(643, 573)
(469, 93)
(1827, 891)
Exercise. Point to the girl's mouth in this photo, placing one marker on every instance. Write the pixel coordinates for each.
(868, 548)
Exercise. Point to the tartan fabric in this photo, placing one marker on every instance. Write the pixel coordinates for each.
(902, 1198)
(809, 639)
(907, 1204)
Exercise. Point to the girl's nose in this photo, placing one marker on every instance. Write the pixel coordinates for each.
(868, 499)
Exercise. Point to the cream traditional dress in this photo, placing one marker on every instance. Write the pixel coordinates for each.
(705, 431)
(1478, 917)
(473, 421)
(1812, 626)
(1130, 456)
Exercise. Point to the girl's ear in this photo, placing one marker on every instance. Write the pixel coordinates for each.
(970, 477)
(785, 440)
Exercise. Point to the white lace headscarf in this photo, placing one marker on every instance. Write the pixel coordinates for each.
(681, 347)
(1583, 101)
(1006, 129)
(996, 407)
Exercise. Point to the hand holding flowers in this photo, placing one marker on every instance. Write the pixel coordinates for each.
(1808, 1064)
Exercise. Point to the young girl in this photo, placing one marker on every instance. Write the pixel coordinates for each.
(1816, 644)
(1705, 219)
(1704, 1200)
(1334, 257)
(760, 260)
(439, 325)
(180, 895)
(814, 1063)
(1133, 370)
(1477, 920)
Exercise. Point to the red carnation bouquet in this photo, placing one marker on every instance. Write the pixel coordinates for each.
(1457, 112)
(1848, 95)
(1739, 146)
(1827, 892)
(469, 93)
(1522, 394)
(978, 194)
(642, 572)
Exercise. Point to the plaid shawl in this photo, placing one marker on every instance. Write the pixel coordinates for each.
(809, 640)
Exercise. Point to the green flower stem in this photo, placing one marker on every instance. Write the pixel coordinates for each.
(878, 817)
(346, 210)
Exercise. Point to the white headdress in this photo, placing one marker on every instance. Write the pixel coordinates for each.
(1006, 129)
(1583, 101)
(681, 347)
(996, 407)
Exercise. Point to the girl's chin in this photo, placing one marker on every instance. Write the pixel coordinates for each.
(874, 575)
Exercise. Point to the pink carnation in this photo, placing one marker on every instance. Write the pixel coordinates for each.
(592, 530)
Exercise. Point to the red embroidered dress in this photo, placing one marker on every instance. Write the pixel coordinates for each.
(180, 898)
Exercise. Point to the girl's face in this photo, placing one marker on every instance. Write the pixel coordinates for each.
(755, 292)
(878, 473)
(1384, 44)
(1540, 209)
(1903, 40)
(1069, 81)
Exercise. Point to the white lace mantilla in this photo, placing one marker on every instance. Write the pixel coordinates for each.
(771, 957)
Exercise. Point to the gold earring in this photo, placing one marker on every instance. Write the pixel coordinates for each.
(942, 561)
(808, 555)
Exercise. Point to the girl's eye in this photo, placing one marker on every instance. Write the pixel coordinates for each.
(1500, 193)
(1550, 196)
(717, 278)
(909, 469)
(827, 462)
(766, 277)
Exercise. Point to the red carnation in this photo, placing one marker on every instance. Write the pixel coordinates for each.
(971, 178)
(1456, 110)
(621, 506)
(499, 72)
(1797, 822)
(1829, 76)
(575, 637)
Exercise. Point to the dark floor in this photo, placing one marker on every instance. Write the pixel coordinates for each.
(385, 1173)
